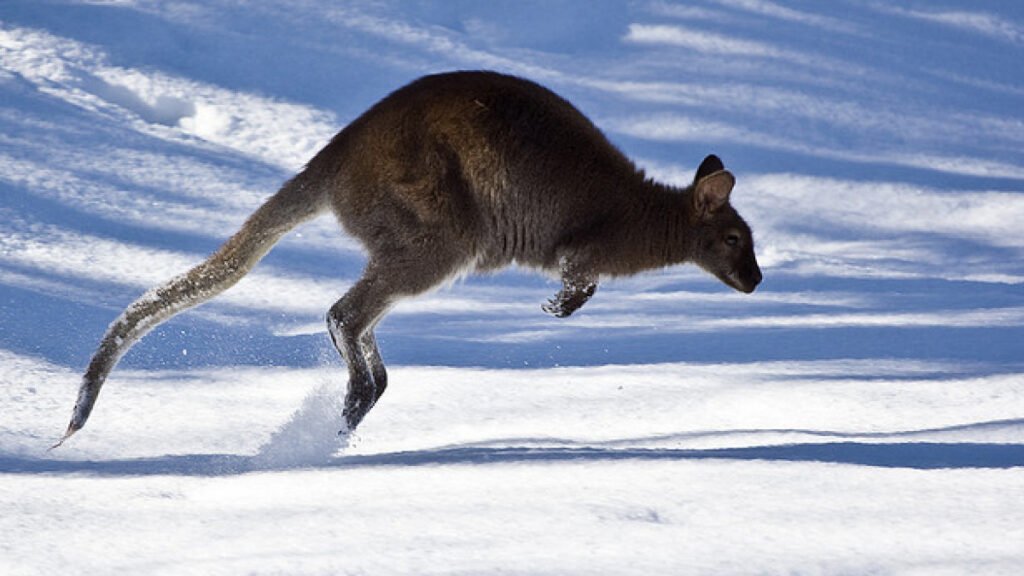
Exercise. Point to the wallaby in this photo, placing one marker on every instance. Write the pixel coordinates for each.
(460, 172)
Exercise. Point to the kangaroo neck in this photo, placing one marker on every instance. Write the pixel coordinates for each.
(654, 230)
(666, 226)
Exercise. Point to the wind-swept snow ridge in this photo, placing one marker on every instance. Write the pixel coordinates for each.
(279, 133)
(92, 258)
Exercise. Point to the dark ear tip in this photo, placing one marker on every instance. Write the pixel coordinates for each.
(710, 165)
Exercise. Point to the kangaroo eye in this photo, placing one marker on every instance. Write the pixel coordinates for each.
(732, 239)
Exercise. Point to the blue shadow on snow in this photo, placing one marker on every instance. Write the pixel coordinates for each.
(913, 455)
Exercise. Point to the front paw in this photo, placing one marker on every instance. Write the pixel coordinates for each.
(556, 308)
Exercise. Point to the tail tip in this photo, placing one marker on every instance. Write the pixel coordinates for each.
(72, 428)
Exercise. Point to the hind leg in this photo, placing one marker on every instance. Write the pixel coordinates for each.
(350, 323)
(352, 319)
(368, 344)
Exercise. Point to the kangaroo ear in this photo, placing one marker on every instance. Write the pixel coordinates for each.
(712, 192)
(710, 165)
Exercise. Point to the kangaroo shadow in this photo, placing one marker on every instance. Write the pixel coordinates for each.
(912, 455)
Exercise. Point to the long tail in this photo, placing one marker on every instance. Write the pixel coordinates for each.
(297, 201)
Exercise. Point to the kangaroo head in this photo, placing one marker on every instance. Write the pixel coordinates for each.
(723, 244)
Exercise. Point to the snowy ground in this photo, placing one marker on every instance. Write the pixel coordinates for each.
(863, 412)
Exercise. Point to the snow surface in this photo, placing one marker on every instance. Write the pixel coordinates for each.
(862, 412)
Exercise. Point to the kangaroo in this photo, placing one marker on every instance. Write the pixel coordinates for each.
(455, 173)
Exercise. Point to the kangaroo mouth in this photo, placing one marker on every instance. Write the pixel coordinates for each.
(734, 281)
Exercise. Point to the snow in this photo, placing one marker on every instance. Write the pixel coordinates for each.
(862, 412)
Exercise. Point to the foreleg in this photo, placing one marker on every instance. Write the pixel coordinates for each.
(578, 285)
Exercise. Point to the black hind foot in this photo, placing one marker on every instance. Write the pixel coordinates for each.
(355, 411)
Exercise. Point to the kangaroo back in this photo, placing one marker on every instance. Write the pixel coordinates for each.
(298, 200)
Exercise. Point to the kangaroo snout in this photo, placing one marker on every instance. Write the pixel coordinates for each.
(752, 283)
(743, 279)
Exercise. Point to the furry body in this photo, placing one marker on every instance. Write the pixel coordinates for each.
(454, 173)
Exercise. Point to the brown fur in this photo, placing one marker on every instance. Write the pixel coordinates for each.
(460, 172)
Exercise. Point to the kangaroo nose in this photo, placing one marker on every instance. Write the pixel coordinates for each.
(755, 279)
